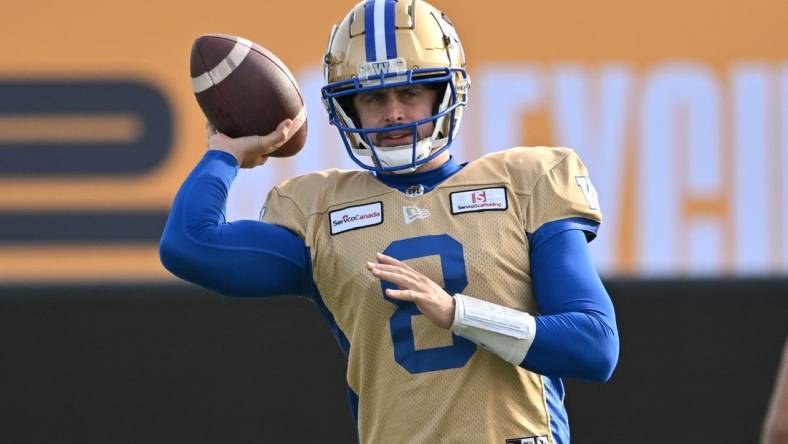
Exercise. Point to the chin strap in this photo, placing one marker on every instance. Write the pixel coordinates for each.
(501, 330)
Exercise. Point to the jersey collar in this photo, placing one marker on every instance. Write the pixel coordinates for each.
(428, 179)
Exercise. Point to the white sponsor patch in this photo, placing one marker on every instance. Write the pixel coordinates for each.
(352, 218)
(412, 213)
(487, 199)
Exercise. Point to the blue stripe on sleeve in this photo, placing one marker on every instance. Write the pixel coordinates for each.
(550, 229)
(391, 28)
(369, 30)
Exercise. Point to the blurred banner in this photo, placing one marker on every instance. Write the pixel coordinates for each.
(680, 111)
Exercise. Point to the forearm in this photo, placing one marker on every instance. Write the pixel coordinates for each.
(245, 258)
(576, 345)
(573, 345)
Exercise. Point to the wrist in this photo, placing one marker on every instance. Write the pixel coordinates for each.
(226, 153)
(501, 330)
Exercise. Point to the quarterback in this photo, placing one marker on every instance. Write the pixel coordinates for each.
(460, 293)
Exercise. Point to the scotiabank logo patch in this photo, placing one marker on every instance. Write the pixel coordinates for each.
(353, 218)
(487, 199)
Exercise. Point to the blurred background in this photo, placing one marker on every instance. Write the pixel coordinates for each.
(679, 110)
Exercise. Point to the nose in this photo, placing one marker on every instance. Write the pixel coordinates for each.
(395, 110)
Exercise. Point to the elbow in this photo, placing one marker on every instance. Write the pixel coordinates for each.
(174, 253)
(178, 252)
(169, 254)
(605, 360)
(603, 370)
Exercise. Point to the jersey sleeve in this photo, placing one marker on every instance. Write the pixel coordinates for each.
(564, 191)
(280, 209)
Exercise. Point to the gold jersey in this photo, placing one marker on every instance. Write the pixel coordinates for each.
(415, 382)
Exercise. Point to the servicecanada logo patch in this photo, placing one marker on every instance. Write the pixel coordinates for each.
(352, 218)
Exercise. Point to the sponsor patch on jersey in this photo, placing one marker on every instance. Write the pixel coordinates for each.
(353, 218)
(486, 199)
(528, 440)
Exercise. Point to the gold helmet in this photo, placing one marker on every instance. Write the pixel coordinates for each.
(392, 43)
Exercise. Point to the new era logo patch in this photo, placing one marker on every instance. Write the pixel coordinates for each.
(352, 218)
(487, 199)
(411, 213)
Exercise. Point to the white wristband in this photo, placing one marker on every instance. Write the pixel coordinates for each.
(501, 330)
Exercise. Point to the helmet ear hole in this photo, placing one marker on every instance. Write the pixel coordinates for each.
(440, 90)
(346, 102)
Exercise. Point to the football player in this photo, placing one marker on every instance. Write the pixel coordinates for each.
(460, 294)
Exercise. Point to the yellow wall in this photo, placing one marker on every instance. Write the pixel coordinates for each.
(150, 42)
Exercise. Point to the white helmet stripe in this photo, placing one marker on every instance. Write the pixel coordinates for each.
(380, 30)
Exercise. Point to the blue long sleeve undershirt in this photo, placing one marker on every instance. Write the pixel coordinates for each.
(576, 332)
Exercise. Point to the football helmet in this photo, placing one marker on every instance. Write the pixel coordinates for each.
(394, 43)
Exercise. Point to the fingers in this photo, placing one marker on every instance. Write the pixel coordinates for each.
(392, 261)
(277, 138)
(250, 151)
(395, 276)
(404, 295)
(396, 269)
(412, 284)
(265, 145)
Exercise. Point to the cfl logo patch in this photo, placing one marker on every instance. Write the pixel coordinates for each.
(529, 440)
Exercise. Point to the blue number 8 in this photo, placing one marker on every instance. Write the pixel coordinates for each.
(455, 279)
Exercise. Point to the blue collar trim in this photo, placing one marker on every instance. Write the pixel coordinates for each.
(428, 179)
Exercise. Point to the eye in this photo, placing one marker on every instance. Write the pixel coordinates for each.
(412, 91)
(371, 97)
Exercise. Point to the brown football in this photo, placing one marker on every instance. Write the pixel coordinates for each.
(245, 90)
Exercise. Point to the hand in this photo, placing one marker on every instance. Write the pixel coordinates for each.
(250, 151)
(414, 287)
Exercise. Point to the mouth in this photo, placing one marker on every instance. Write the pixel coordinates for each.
(394, 138)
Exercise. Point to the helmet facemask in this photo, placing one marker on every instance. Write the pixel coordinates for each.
(402, 158)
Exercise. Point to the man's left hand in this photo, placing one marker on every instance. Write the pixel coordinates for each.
(415, 287)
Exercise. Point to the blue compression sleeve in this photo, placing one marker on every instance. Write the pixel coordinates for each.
(576, 333)
(244, 258)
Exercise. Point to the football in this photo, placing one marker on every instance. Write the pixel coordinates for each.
(245, 90)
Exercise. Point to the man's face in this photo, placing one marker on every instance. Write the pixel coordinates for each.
(396, 106)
